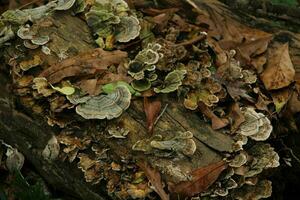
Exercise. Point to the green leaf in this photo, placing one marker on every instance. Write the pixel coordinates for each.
(111, 87)
(66, 90)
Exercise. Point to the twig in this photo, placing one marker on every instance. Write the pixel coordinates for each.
(192, 41)
(28, 4)
(193, 4)
(161, 114)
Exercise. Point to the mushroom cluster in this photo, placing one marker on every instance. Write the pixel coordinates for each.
(112, 20)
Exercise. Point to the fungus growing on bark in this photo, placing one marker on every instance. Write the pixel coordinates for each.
(172, 82)
(182, 142)
(118, 132)
(42, 86)
(256, 126)
(64, 4)
(106, 106)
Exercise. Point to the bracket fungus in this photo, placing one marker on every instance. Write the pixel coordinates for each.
(64, 4)
(128, 29)
(172, 82)
(256, 126)
(112, 18)
(6, 33)
(42, 86)
(106, 106)
(182, 142)
(264, 157)
(118, 132)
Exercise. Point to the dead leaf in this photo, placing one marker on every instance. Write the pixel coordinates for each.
(155, 178)
(294, 103)
(109, 77)
(237, 116)
(89, 86)
(152, 108)
(258, 63)
(280, 98)
(225, 31)
(236, 91)
(202, 178)
(250, 49)
(262, 102)
(280, 71)
(83, 64)
(216, 122)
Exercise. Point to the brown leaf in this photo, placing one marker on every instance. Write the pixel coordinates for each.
(280, 98)
(202, 178)
(262, 102)
(89, 86)
(280, 71)
(109, 77)
(237, 116)
(152, 108)
(155, 179)
(216, 122)
(294, 103)
(250, 49)
(230, 34)
(83, 64)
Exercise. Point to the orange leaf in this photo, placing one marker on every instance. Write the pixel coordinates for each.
(155, 179)
(152, 109)
(202, 178)
(216, 122)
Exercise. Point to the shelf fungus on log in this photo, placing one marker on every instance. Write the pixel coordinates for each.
(172, 81)
(106, 106)
(256, 126)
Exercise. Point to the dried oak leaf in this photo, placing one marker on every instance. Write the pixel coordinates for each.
(237, 116)
(83, 64)
(202, 178)
(216, 122)
(155, 179)
(280, 71)
(152, 109)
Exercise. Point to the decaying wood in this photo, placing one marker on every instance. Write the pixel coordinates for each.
(30, 133)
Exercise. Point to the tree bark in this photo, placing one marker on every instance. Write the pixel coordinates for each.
(29, 132)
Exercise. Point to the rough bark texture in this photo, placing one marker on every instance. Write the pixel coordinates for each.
(30, 133)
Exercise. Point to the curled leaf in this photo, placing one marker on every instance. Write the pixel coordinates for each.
(83, 64)
(202, 178)
(155, 179)
(66, 90)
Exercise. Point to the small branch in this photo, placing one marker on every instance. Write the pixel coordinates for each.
(192, 41)
(161, 114)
